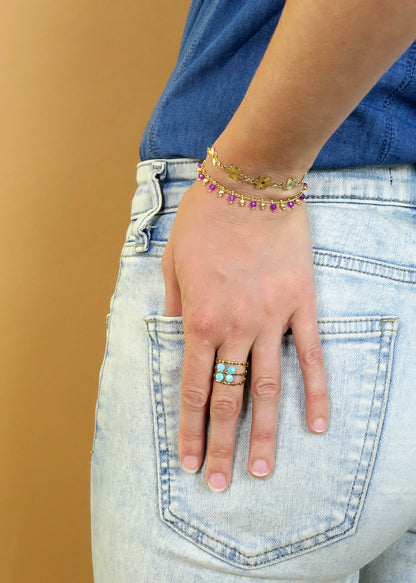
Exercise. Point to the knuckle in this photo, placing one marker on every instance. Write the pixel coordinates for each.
(313, 355)
(221, 452)
(224, 407)
(237, 322)
(202, 323)
(266, 437)
(194, 398)
(191, 436)
(265, 388)
(317, 396)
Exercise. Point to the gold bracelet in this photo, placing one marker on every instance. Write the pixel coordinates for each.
(261, 183)
(253, 201)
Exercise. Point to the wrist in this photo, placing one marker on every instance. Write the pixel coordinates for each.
(245, 196)
(260, 157)
(263, 187)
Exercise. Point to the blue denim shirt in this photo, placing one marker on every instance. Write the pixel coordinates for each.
(222, 46)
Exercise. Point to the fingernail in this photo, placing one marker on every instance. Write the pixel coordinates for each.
(319, 425)
(217, 482)
(190, 463)
(260, 468)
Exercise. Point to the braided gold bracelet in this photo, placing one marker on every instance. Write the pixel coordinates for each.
(261, 183)
(253, 202)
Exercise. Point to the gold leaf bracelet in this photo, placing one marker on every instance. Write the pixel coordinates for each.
(261, 183)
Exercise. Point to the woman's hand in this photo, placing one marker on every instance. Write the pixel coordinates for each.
(240, 279)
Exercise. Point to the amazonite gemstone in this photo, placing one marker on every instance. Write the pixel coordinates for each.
(229, 378)
(220, 366)
(219, 376)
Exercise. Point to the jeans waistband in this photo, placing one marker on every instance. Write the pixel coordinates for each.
(389, 185)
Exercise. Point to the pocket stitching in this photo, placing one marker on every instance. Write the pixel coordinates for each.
(163, 457)
(357, 264)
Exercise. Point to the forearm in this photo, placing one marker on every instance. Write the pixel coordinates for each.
(323, 58)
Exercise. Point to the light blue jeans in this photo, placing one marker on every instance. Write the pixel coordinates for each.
(339, 507)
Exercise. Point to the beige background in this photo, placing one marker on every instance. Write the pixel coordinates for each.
(79, 80)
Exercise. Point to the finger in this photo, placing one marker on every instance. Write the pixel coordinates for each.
(173, 302)
(195, 398)
(309, 350)
(226, 401)
(265, 388)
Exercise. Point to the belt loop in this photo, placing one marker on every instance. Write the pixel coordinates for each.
(142, 232)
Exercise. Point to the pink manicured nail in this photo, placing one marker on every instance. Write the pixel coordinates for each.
(217, 482)
(260, 468)
(190, 463)
(319, 425)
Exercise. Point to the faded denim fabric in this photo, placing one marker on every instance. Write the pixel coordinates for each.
(222, 46)
(336, 503)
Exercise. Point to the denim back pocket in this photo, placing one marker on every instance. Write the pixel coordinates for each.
(317, 490)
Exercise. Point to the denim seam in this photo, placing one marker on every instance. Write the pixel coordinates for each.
(398, 90)
(378, 323)
(379, 414)
(362, 200)
(389, 349)
(362, 265)
(386, 333)
(106, 353)
(159, 419)
(369, 332)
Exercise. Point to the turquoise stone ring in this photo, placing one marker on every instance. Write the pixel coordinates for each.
(225, 374)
